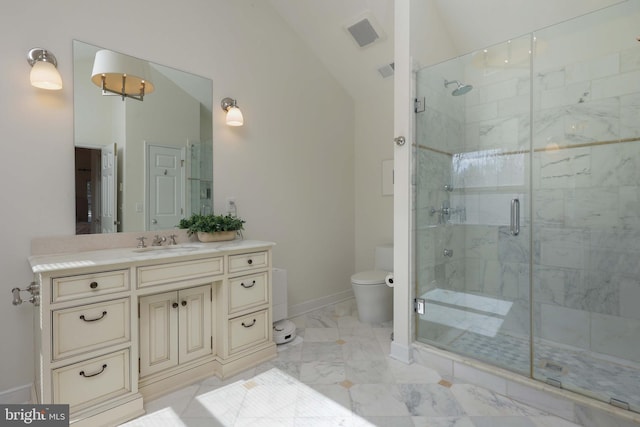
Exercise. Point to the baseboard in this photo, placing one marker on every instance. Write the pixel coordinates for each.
(307, 306)
(18, 395)
(400, 352)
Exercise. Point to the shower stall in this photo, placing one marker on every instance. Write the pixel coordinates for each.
(527, 205)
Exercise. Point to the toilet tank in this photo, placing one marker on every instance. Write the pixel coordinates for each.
(384, 257)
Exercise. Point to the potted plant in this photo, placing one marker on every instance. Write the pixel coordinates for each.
(212, 228)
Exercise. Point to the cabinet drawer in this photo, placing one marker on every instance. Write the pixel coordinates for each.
(247, 331)
(90, 326)
(250, 261)
(167, 273)
(86, 383)
(87, 285)
(248, 291)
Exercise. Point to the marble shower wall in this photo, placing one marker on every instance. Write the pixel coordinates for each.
(586, 205)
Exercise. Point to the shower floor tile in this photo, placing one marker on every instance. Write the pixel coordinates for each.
(577, 370)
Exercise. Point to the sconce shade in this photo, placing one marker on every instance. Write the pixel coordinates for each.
(234, 115)
(44, 74)
(122, 75)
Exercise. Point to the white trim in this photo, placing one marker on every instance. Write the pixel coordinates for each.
(402, 126)
(401, 352)
(307, 306)
(18, 395)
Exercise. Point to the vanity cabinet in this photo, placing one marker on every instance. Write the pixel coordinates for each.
(118, 326)
(175, 328)
(86, 342)
(244, 305)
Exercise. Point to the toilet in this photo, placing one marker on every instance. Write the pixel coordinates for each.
(373, 297)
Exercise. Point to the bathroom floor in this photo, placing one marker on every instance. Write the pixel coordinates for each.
(337, 373)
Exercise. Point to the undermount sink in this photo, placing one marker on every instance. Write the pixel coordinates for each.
(184, 248)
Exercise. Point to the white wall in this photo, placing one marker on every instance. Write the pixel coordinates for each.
(374, 143)
(290, 167)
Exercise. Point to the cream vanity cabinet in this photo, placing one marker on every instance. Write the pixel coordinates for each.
(117, 326)
(175, 328)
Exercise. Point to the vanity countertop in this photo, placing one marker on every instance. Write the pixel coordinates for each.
(63, 261)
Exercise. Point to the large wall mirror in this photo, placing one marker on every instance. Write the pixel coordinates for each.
(141, 165)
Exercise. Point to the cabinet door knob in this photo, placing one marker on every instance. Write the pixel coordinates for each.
(174, 305)
(249, 325)
(249, 261)
(93, 285)
(184, 303)
(104, 366)
(104, 313)
(248, 286)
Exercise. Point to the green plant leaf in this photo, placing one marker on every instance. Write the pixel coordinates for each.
(211, 223)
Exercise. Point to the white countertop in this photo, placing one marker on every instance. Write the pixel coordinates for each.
(54, 262)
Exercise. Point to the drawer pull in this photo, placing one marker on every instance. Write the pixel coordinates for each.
(249, 261)
(104, 313)
(248, 286)
(104, 366)
(174, 305)
(248, 326)
(93, 285)
(184, 303)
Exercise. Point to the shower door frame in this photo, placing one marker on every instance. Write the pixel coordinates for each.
(476, 202)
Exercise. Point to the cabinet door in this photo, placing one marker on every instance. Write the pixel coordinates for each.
(194, 323)
(158, 332)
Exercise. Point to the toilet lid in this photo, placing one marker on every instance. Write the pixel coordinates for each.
(371, 277)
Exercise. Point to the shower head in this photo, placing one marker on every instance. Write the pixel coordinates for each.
(460, 90)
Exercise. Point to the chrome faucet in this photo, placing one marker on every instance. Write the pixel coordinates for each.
(141, 242)
(172, 239)
(158, 241)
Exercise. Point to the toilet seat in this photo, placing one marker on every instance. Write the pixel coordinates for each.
(370, 277)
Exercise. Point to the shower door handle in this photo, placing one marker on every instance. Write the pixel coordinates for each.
(514, 227)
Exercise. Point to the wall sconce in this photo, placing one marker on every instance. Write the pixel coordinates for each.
(234, 115)
(44, 71)
(123, 75)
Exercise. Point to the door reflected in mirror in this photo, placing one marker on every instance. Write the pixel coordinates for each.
(141, 164)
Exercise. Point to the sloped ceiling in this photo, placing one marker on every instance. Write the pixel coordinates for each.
(451, 27)
(322, 26)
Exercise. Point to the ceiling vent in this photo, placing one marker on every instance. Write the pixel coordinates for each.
(387, 70)
(365, 31)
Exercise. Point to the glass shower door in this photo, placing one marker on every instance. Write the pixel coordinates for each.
(473, 231)
(586, 187)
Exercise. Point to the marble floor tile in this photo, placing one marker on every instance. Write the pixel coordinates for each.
(337, 372)
(321, 334)
(442, 422)
(374, 371)
(478, 401)
(322, 351)
(430, 400)
(322, 372)
(377, 400)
